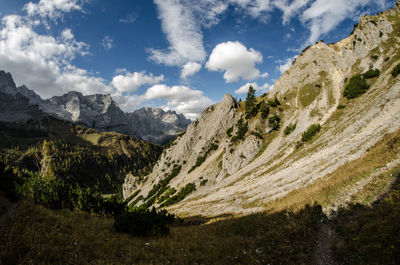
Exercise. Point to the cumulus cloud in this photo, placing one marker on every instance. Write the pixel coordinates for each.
(43, 62)
(130, 82)
(235, 60)
(245, 88)
(107, 43)
(52, 8)
(182, 99)
(189, 69)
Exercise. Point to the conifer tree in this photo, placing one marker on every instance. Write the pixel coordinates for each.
(264, 109)
(250, 102)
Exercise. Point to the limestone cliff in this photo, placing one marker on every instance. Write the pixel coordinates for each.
(243, 176)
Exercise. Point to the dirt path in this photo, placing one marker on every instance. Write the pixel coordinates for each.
(323, 251)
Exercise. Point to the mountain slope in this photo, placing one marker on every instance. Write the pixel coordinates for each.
(244, 176)
(98, 111)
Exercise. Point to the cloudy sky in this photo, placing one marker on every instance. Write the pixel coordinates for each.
(175, 54)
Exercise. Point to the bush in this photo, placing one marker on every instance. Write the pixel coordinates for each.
(264, 109)
(310, 132)
(371, 73)
(396, 70)
(274, 122)
(143, 222)
(257, 134)
(290, 128)
(356, 87)
(203, 182)
(229, 132)
(341, 106)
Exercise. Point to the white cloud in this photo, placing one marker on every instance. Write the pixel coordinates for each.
(255, 8)
(183, 33)
(245, 88)
(179, 98)
(52, 8)
(189, 69)
(235, 60)
(324, 15)
(44, 62)
(107, 43)
(264, 75)
(129, 19)
(289, 10)
(130, 82)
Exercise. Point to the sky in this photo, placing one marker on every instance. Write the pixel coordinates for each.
(175, 54)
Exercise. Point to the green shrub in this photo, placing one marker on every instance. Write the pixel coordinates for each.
(310, 132)
(229, 132)
(396, 70)
(274, 122)
(356, 87)
(290, 128)
(143, 222)
(374, 57)
(264, 109)
(371, 73)
(387, 59)
(341, 106)
(250, 103)
(203, 182)
(257, 134)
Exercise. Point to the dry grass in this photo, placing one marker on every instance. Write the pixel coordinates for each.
(35, 235)
(325, 190)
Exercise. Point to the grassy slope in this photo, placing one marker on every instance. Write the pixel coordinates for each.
(35, 235)
(85, 156)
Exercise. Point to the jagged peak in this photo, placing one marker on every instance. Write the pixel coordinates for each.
(397, 5)
(6, 80)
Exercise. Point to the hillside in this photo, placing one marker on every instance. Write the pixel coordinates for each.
(59, 149)
(333, 91)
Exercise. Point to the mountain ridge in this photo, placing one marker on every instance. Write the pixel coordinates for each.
(98, 111)
(244, 176)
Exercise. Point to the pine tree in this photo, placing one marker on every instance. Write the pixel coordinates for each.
(250, 102)
(264, 109)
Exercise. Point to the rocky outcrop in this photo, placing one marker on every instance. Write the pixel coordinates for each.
(243, 177)
(156, 125)
(97, 111)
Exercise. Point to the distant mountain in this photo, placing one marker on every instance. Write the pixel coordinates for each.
(101, 112)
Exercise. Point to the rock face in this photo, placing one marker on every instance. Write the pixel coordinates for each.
(156, 125)
(97, 111)
(242, 177)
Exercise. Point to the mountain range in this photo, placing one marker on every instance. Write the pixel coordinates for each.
(98, 111)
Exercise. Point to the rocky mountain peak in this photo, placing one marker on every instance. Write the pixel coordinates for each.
(7, 84)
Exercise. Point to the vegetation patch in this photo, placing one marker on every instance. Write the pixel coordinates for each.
(371, 73)
(274, 122)
(185, 191)
(200, 159)
(356, 87)
(308, 94)
(396, 70)
(290, 128)
(310, 132)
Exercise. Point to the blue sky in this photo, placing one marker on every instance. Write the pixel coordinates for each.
(175, 54)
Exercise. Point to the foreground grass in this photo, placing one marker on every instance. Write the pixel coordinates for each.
(370, 235)
(36, 235)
